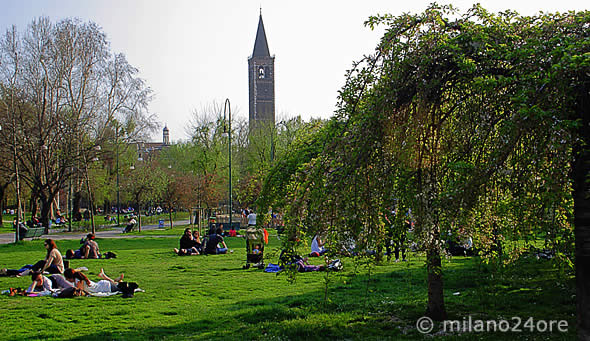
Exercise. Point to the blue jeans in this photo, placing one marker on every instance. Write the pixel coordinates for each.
(221, 250)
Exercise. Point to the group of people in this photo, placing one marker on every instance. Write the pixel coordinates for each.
(88, 250)
(61, 278)
(191, 243)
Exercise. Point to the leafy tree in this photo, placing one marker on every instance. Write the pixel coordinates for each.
(453, 114)
(63, 89)
(144, 183)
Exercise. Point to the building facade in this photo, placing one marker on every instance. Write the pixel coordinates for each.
(146, 150)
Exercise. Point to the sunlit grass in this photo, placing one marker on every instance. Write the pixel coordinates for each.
(211, 297)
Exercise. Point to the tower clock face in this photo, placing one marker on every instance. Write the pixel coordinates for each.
(260, 72)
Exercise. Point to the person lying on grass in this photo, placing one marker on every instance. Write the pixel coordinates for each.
(189, 244)
(304, 266)
(43, 283)
(40, 283)
(25, 270)
(81, 281)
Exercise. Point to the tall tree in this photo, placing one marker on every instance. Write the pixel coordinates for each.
(449, 107)
(67, 86)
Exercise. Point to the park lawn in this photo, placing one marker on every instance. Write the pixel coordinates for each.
(211, 297)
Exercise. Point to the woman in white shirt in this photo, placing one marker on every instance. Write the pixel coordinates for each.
(317, 246)
(106, 285)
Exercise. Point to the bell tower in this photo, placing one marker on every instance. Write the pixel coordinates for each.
(261, 79)
(166, 136)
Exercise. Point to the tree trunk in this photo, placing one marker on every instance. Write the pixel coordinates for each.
(77, 200)
(170, 215)
(2, 191)
(139, 217)
(436, 302)
(45, 213)
(33, 205)
(580, 174)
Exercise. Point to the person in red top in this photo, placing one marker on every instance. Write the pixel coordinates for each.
(232, 232)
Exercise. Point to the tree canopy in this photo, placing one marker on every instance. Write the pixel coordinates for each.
(473, 121)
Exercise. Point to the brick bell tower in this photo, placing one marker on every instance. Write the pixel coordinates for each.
(261, 81)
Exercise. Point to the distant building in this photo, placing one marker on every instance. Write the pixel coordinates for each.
(147, 149)
(166, 136)
(261, 80)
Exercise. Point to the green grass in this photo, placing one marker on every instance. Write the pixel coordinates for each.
(211, 297)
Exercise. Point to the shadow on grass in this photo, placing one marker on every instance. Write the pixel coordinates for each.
(384, 306)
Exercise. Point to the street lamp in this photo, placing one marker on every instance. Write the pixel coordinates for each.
(227, 106)
(118, 188)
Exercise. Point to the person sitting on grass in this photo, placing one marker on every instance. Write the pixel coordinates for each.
(317, 246)
(90, 248)
(197, 240)
(189, 245)
(53, 262)
(212, 247)
(233, 232)
(81, 281)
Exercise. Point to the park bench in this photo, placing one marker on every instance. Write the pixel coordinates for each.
(34, 232)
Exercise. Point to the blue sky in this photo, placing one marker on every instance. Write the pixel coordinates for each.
(194, 52)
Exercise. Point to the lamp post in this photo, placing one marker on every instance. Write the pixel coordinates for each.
(118, 197)
(97, 149)
(227, 106)
(70, 202)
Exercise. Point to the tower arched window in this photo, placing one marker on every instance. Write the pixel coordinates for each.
(261, 72)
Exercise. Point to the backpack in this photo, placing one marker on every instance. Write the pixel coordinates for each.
(127, 288)
(109, 255)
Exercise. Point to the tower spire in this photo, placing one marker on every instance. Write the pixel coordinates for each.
(260, 45)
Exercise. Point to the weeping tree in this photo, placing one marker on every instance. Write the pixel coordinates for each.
(450, 113)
